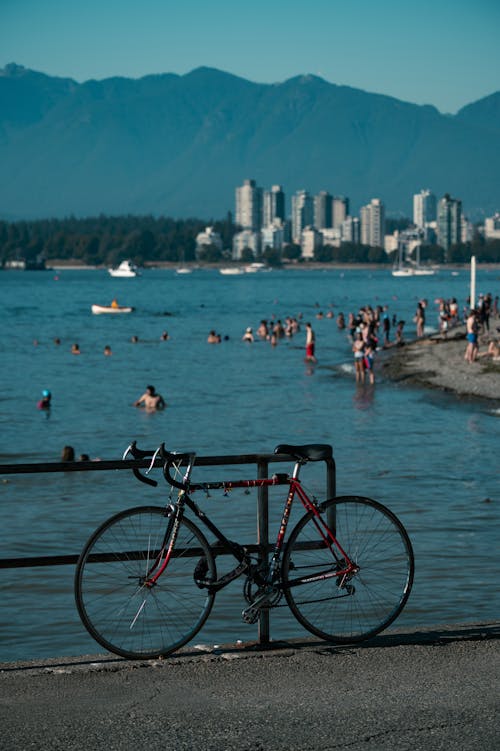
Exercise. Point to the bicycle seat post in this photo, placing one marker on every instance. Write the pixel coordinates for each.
(297, 468)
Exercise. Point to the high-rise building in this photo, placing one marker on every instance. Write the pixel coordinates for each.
(350, 230)
(274, 235)
(492, 227)
(373, 224)
(340, 210)
(302, 214)
(311, 239)
(323, 210)
(274, 205)
(249, 206)
(424, 208)
(449, 222)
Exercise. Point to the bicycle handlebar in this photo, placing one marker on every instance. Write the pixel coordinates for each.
(169, 458)
(139, 454)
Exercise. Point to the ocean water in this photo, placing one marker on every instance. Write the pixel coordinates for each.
(429, 456)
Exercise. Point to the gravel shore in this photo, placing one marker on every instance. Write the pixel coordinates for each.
(438, 362)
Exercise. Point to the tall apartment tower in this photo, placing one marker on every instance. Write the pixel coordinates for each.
(449, 222)
(249, 206)
(302, 214)
(424, 208)
(274, 205)
(373, 224)
(340, 211)
(323, 210)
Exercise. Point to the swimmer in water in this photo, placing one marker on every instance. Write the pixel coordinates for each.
(150, 400)
(44, 402)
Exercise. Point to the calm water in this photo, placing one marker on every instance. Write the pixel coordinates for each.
(430, 457)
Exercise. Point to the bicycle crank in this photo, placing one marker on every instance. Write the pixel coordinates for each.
(268, 598)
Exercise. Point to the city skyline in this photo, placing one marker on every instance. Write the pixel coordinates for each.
(421, 53)
(321, 219)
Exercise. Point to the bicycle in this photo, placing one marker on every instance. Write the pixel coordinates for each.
(146, 580)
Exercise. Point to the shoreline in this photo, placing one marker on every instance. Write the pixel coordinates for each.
(59, 264)
(437, 362)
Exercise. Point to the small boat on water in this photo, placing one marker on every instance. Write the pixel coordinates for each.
(412, 271)
(410, 267)
(125, 269)
(256, 267)
(231, 270)
(183, 270)
(114, 309)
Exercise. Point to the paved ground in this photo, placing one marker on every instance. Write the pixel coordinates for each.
(435, 689)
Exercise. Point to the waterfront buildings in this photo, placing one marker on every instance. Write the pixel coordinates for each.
(324, 220)
(206, 239)
(424, 208)
(249, 206)
(449, 222)
(302, 214)
(492, 227)
(340, 210)
(323, 210)
(274, 206)
(373, 223)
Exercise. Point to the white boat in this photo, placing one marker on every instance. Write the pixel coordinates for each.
(183, 270)
(410, 267)
(256, 267)
(231, 270)
(125, 269)
(412, 271)
(114, 309)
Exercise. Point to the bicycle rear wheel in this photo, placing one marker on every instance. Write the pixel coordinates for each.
(118, 610)
(352, 609)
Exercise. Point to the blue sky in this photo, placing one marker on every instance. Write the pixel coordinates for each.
(445, 53)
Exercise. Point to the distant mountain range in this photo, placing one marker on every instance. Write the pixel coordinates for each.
(179, 145)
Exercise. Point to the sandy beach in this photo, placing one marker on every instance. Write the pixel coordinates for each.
(438, 362)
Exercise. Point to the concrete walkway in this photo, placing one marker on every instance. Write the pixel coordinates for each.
(432, 689)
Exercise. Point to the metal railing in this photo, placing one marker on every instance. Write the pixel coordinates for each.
(262, 547)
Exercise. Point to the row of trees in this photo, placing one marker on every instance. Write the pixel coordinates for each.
(108, 240)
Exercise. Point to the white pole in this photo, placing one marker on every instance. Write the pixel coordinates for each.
(473, 282)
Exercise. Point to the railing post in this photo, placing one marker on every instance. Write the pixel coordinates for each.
(263, 543)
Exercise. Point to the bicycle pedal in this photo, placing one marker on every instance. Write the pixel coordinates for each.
(250, 615)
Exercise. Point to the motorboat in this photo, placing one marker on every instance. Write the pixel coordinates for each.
(231, 270)
(254, 268)
(125, 269)
(114, 309)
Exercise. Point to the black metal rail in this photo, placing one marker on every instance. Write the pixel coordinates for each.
(262, 461)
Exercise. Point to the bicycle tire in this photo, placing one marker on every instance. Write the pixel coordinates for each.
(120, 613)
(376, 541)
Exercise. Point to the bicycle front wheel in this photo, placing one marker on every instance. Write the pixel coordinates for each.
(352, 608)
(119, 610)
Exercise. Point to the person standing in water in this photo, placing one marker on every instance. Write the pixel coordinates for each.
(150, 400)
(310, 343)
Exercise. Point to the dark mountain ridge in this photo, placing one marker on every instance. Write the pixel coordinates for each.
(179, 145)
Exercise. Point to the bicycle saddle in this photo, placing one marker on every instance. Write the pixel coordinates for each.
(312, 452)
